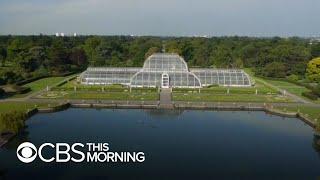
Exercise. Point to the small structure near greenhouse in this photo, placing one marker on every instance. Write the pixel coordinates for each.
(165, 70)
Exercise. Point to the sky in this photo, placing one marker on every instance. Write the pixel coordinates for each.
(162, 17)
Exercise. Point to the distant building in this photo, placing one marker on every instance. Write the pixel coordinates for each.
(57, 35)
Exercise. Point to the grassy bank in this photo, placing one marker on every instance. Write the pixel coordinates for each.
(12, 121)
(307, 111)
(39, 85)
(205, 97)
(13, 114)
(133, 96)
(22, 106)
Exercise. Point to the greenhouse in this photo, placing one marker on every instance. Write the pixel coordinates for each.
(165, 70)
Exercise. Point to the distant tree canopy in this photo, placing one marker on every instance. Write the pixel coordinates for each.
(23, 57)
(313, 70)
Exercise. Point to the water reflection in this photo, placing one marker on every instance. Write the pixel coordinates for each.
(316, 143)
(164, 113)
(23, 136)
(180, 144)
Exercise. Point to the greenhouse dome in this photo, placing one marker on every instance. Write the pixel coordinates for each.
(165, 70)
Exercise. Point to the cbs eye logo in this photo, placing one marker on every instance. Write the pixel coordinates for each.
(26, 152)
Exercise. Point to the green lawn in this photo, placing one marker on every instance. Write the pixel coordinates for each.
(312, 112)
(290, 87)
(43, 83)
(40, 84)
(228, 97)
(20, 106)
(261, 89)
(138, 96)
(74, 85)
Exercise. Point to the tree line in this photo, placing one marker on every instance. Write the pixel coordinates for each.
(23, 57)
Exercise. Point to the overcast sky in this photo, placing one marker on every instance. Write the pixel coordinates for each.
(162, 17)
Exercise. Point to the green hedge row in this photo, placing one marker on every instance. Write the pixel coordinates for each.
(310, 95)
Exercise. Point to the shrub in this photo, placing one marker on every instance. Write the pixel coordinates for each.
(213, 85)
(313, 70)
(2, 92)
(310, 95)
(275, 70)
(316, 90)
(12, 121)
(318, 128)
(293, 78)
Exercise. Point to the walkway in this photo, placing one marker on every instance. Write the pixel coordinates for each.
(293, 96)
(165, 98)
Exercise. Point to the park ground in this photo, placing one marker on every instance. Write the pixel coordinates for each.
(48, 92)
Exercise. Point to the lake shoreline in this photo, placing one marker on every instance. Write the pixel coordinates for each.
(182, 106)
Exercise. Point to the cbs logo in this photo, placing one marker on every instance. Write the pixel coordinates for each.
(26, 152)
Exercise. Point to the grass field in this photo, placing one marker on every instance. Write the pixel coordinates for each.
(290, 87)
(39, 85)
(205, 97)
(74, 85)
(142, 96)
(20, 106)
(312, 112)
(43, 83)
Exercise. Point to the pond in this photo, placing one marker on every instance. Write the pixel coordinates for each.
(177, 144)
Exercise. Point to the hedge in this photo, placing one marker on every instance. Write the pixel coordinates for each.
(310, 95)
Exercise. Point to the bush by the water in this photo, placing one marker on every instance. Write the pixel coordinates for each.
(2, 92)
(310, 95)
(12, 121)
(316, 90)
(317, 129)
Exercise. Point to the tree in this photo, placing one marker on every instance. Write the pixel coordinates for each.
(30, 60)
(151, 51)
(313, 70)
(78, 57)
(238, 63)
(90, 47)
(315, 50)
(15, 47)
(58, 57)
(275, 70)
(3, 55)
(222, 57)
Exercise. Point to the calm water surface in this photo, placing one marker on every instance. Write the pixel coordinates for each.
(177, 145)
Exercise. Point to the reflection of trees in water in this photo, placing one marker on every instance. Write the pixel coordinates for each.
(3, 173)
(164, 113)
(151, 115)
(21, 137)
(316, 143)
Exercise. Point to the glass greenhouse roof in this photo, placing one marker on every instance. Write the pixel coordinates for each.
(163, 63)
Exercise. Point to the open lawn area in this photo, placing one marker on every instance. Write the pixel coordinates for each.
(21, 106)
(40, 84)
(205, 97)
(73, 85)
(290, 87)
(141, 96)
(43, 83)
(260, 89)
(309, 111)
